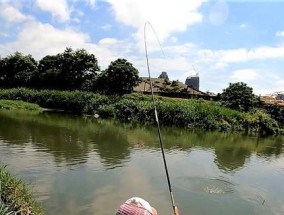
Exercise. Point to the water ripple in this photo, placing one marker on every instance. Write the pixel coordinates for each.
(206, 185)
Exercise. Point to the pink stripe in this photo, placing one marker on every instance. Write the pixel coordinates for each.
(131, 209)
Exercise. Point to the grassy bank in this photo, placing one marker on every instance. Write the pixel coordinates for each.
(19, 105)
(185, 113)
(15, 196)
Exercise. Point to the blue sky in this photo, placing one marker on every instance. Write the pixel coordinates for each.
(224, 41)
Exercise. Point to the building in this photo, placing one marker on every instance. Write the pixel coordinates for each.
(280, 96)
(193, 81)
(165, 76)
(268, 99)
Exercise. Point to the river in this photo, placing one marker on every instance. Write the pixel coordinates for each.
(82, 165)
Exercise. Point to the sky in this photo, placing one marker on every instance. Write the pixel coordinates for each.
(223, 41)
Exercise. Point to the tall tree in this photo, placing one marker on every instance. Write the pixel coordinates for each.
(69, 70)
(48, 73)
(119, 78)
(16, 70)
(239, 96)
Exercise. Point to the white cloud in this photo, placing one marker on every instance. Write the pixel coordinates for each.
(166, 16)
(173, 39)
(279, 85)
(58, 8)
(12, 14)
(266, 52)
(243, 25)
(181, 50)
(241, 55)
(2, 34)
(106, 27)
(279, 34)
(41, 39)
(245, 75)
(77, 20)
(92, 2)
(108, 41)
(109, 49)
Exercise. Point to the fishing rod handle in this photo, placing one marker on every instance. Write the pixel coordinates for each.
(176, 211)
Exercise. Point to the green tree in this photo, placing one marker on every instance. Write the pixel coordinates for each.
(175, 83)
(239, 96)
(16, 70)
(48, 73)
(119, 78)
(275, 111)
(69, 70)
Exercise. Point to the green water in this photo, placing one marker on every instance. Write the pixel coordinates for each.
(79, 165)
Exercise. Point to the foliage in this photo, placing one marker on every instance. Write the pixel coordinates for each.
(16, 70)
(5, 210)
(19, 105)
(262, 123)
(175, 83)
(185, 113)
(239, 96)
(47, 76)
(71, 101)
(69, 70)
(119, 78)
(276, 112)
(15, 196)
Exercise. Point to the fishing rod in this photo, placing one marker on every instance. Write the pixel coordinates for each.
(156, 113)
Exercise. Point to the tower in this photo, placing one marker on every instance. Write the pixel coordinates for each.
(193, 81)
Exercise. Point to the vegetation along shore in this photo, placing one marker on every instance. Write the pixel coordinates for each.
(137, 108)
(72, 81)
(19, 105)
(15, 196)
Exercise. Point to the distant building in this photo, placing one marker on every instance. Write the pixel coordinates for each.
(193, 81)
(164, 76)
(268, 99)
(280, 96)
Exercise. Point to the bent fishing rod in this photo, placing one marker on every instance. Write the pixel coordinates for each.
(156, 113)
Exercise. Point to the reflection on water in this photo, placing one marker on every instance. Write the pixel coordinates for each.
(84, 165)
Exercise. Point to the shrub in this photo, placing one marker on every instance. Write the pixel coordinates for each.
(15, 196)
(189, 114)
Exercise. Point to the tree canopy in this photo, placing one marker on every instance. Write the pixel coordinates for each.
(69, 70)
(16, 70)
(239, 96)
(119, 78)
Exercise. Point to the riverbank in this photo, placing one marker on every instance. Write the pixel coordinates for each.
(15, 196)
(19, 105)
(185, 113)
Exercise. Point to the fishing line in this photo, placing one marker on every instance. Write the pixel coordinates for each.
(155, 110)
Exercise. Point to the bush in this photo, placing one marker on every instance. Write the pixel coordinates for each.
(72, 101)
(15, 196)
(239, 96)
(189, 114)
(276, 112)
(18, 105)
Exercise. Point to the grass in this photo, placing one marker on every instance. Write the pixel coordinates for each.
(183, 113)
(19, 105)
(4, 210)
(15, 196)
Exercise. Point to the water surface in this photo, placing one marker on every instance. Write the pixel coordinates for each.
(81, 165)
